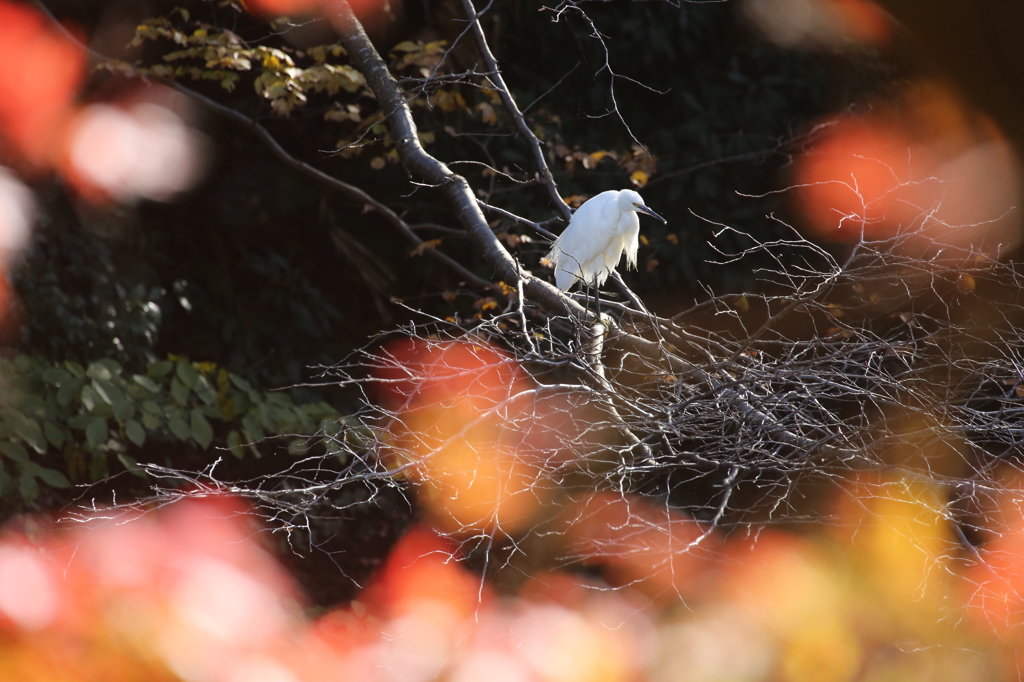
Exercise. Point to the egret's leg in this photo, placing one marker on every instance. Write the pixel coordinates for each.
(597, 300)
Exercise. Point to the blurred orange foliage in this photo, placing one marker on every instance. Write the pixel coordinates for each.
(654, 549)
(452, 401)
(924, 164)
(187, 592)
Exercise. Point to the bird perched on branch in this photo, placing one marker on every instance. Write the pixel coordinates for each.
(600, 231)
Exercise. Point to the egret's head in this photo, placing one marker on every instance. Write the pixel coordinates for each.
(632, 201)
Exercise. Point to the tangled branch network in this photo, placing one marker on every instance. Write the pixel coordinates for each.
(745, 410)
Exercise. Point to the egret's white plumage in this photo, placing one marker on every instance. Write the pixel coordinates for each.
(600, 231)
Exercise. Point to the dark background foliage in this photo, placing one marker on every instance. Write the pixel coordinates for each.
(266, 273)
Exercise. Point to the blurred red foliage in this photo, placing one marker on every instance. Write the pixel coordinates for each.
(39, 79)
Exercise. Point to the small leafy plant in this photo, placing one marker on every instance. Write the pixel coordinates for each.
(64, 423)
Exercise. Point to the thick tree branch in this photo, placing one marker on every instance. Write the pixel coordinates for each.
(428, 170)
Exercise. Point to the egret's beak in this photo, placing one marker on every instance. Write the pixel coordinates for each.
(643, 209)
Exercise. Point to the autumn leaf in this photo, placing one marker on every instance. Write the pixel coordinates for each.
(449, 101)
(966, 283)
(639, 178)
(422, 247)
(487, 113)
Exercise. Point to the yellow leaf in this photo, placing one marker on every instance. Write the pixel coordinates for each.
(423, 246)
(651, 264)
(742, 304)
(672, 238)
(597, 156)
(644, 240)
(487, 113)
(639, 178)
(966, 283)
(449, 101)
(405, 46)
(377, 163)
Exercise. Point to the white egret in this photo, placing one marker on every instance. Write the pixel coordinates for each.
(600, 231)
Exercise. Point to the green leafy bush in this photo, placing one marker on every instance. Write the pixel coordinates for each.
(64, 423)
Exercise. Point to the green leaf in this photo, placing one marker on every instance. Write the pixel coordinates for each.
(187, 374)
(102, 389)
(98, 370)
(14, 451)
(146, 383)
(151, 422)
(241, 383)
(179, 428)
(96, 432)
(80, 421)
(17, 424)
(30, 432)
(28, 487)
(132, 465)
(158, 370)
(251, 424)
(88, 398)
(123, 407)
(135, 432)
(205, 391)
(110, 368)
(53, 434)
(56, 376)
(235, 444)
(53, 478)
(68, 392)
(75, 369)
(202, 432)
(179, 391)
